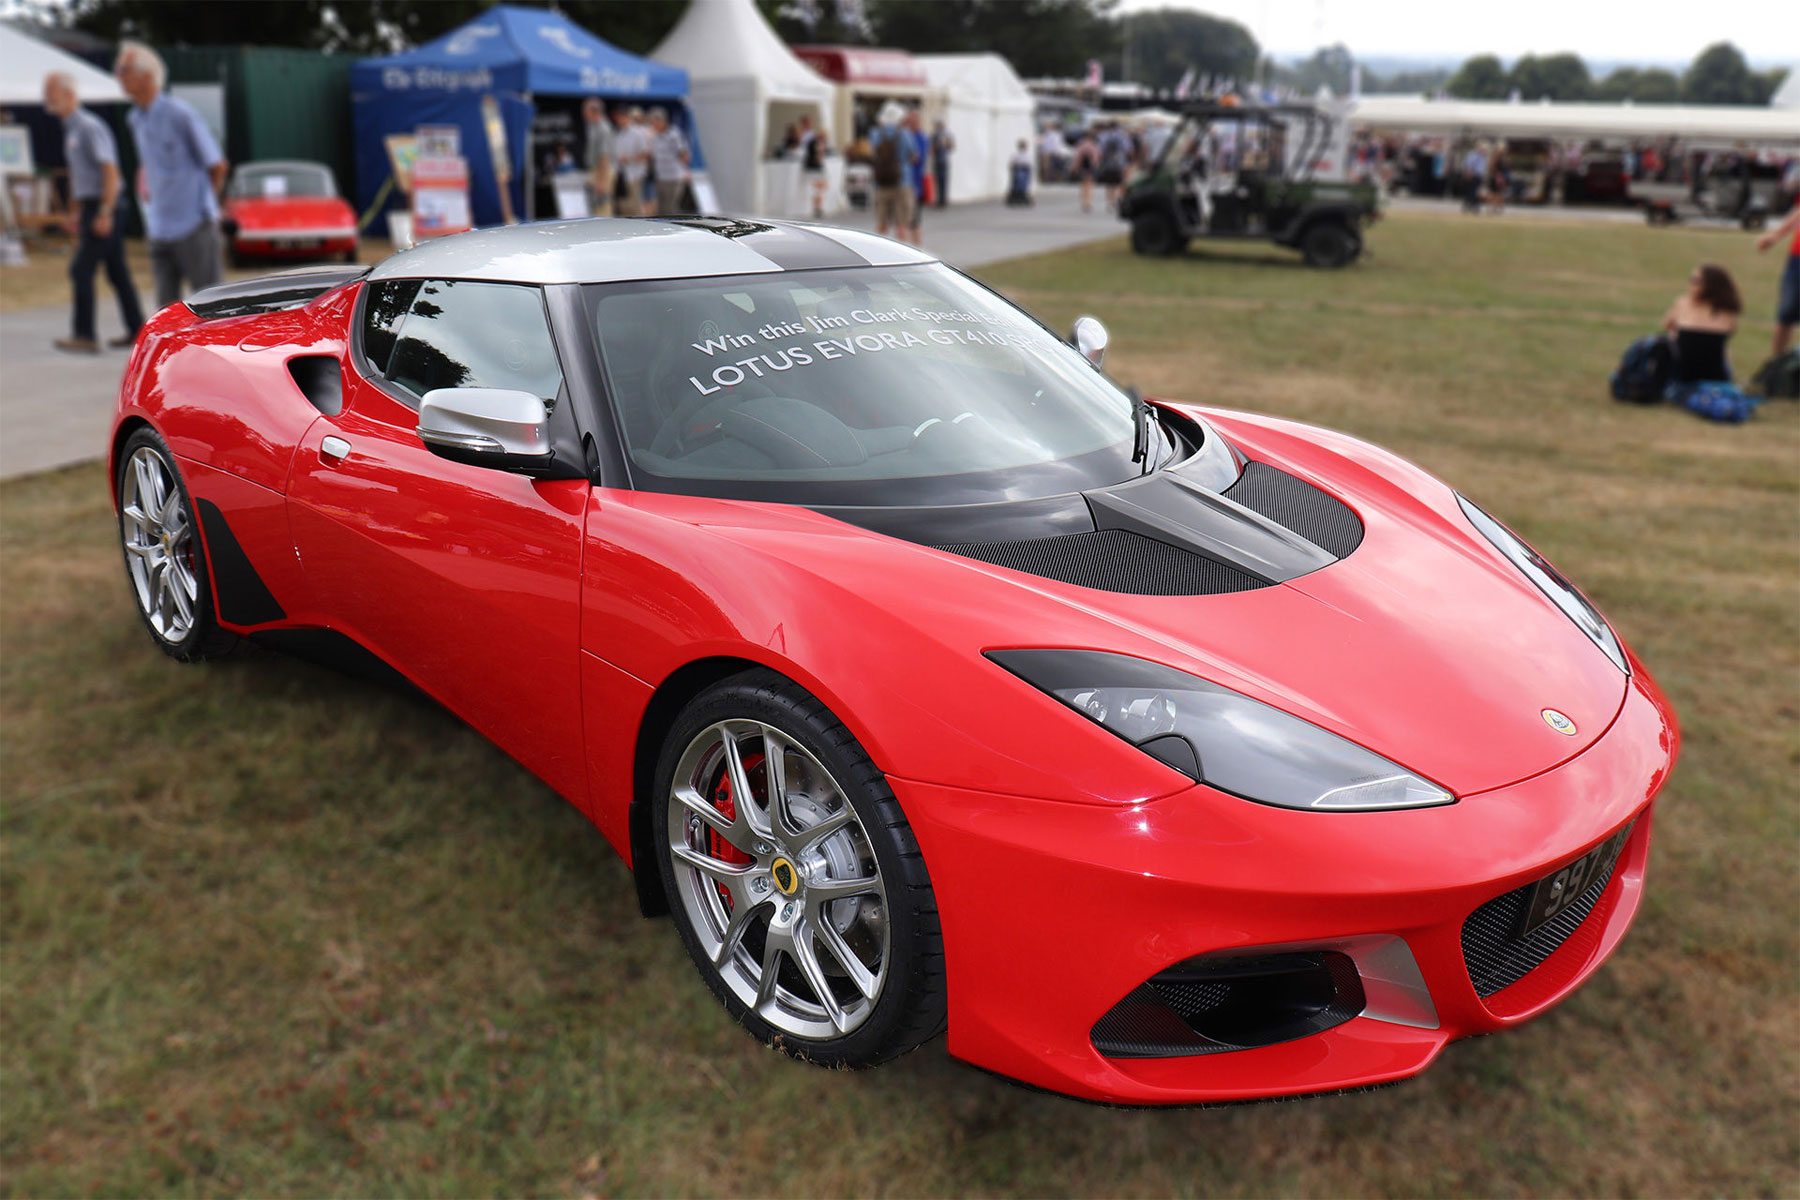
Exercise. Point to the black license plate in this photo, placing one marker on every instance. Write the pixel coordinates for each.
(1555, 892)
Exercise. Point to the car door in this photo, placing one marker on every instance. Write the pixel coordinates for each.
(465, 578)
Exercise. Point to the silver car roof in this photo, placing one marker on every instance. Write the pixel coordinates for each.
(612, 250)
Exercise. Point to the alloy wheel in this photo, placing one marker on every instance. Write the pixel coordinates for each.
(778, 880)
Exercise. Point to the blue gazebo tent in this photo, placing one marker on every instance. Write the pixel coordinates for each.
(512, 54)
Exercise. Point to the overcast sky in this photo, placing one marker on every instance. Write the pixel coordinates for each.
(1601, 30)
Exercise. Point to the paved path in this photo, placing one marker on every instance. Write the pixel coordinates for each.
(55, 408)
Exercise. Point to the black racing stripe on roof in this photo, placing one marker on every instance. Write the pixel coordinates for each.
(786, 246)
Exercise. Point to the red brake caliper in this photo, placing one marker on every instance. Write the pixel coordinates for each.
(716, 845)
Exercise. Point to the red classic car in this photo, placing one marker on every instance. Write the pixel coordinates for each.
(288, 210)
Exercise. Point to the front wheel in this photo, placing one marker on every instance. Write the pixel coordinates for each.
(1327, 244)
(794, 878)
(1153, 233)
(165, 560)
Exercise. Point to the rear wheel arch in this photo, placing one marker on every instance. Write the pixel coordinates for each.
(121, 435)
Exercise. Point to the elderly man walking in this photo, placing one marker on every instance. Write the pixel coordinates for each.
(93, 161)
(670, 155)
(183, 173)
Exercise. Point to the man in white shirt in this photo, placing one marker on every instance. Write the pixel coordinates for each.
(632, 145)
(669, 155)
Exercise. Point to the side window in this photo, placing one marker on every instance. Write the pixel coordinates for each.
(466, 334)
(387, 302)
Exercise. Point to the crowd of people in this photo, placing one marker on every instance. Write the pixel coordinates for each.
(183, 175)
(1490, 173)
(638, 163)
(1103, 153)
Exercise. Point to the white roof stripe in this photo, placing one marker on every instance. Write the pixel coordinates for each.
(610, 250)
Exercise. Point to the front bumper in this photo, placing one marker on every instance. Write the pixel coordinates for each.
(320, 240)
(1054, 912)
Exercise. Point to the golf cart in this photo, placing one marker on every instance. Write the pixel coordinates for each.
(1246, 171)
(1733, 188)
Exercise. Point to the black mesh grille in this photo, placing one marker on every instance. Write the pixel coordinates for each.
(1113, 560)
(1321, 519)
(1497, 957)
(1212, 1006)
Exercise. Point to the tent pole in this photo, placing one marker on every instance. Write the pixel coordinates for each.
(530, 204)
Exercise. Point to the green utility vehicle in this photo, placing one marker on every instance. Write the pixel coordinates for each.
(1246, 171)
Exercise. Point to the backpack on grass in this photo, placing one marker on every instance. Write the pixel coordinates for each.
(889, 172)
(1716, 400)
(1780, 376)
(1644, 370)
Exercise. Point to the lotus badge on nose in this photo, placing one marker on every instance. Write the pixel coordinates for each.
(1559, 722)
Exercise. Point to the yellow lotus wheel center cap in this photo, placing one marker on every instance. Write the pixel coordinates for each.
(786, 877)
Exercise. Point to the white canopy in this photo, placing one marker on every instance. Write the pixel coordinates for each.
(24, 61)
(1788, 95)
(988, 112)
(1496, 118)
(745, 87)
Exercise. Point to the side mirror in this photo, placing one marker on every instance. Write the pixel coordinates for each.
(1089, 336)
(487, 427)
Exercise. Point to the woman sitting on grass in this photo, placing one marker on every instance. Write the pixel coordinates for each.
(1699, 323)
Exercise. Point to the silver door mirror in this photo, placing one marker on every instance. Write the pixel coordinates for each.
(1089, 336)
(486, 427)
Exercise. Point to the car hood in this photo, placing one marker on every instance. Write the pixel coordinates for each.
(1424, 644)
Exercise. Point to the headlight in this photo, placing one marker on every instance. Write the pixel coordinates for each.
(1220, 737)
(1561, 592)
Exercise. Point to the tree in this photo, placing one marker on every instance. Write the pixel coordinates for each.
(1329, 66)
(1162, 45)
(1428, 81)
(1479, 78)
(1719, 76)
(1656, 86)
(1557, 77)
(354, 26)
(1040, 37)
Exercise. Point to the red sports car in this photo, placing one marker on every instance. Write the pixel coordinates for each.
(288, 210)
(925, 677)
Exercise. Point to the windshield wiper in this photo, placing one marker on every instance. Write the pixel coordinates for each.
(1141, 419)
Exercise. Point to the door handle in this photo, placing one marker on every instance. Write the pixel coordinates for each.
(333, 449)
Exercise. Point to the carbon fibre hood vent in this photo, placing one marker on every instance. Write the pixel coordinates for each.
(1114, 560)
(1166, 535)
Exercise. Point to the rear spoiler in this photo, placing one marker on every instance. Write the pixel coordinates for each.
(269, 293)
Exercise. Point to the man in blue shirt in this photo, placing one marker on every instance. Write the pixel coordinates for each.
(183, 173)
(918, 148)
(93, 162)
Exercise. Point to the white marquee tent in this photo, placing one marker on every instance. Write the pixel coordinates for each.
(24, 61)
(1717, 123)
(1788, 95)
(988, 111)
(745, 88)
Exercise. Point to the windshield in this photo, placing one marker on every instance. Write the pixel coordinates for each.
(274, 182)
(867, 385)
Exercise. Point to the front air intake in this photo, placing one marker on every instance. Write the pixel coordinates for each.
(1215, 1004)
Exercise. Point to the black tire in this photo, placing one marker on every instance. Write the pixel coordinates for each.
(165, 556)
(351, 256)
(908, 1007)
(1153, 233)
(1328, 244)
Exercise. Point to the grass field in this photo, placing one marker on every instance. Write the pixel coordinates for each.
(269, 930)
